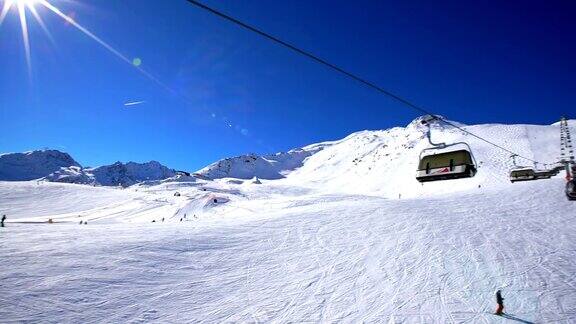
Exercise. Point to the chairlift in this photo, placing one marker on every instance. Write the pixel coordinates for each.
(522, 174)
(444, 165)
(543, 174)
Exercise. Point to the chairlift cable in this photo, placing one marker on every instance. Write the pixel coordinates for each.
(344, 72)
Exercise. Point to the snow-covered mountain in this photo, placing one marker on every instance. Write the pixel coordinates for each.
(379, 162)
(56, 166)
(384, 162)
(338, 231)
(117, 174)
(280, 165)
(33, 165)
(274, 166)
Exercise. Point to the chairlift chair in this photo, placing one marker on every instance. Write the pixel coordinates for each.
(543, 174)
(523, 174)
(445, 165)
(454, 164)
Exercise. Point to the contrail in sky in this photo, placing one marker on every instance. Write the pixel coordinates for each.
(134, 103)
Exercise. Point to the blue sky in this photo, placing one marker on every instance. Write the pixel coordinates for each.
(232, 92)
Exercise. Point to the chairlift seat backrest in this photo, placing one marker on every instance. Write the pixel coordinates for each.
(446, 159)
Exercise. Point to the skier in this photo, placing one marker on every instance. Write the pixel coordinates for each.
(2, 222)
(499, 302)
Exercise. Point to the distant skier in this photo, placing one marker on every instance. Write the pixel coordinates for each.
(2, 222)
(499, 303)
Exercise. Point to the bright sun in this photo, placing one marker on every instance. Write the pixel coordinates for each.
(23, 8)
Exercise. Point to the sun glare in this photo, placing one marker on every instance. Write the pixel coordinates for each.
(21, 6)
(24, 8)
(27, 2)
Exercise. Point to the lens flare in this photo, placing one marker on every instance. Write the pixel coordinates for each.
(24, 6)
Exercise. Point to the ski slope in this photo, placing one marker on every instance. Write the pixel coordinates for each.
(314, 258)
(344, 233)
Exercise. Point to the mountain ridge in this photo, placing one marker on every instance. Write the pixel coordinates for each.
(366, 153)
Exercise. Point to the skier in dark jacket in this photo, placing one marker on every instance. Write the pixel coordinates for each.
(500, 303)
(3, 219)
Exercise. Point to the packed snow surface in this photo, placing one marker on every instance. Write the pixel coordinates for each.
(342, 233)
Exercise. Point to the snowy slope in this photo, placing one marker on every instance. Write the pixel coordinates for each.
(384, 162)
(327, 258)
(270, 167)
(375, 163)
(39, 201)
(117, 174)
(321, 235)
(32, 165)
(42, 200)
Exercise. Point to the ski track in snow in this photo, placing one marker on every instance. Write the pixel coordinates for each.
(324, 259)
